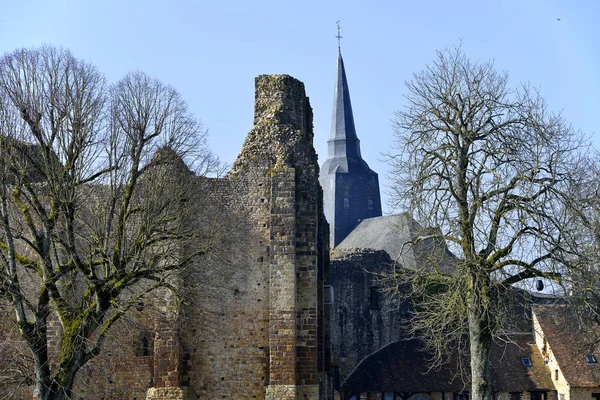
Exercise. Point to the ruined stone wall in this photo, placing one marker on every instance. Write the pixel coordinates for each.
(225, 338)
(251, 322)
(264, 334)
(123, 370)
(362, 319)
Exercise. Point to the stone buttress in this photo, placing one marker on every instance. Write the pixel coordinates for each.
(279, 147)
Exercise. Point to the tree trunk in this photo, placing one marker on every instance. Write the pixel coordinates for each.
(51, 389)
(480, 340)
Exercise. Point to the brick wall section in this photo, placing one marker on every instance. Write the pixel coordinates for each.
(225, 335)
(282, 279)
(280, 146)
(167, 351)
(307, 282)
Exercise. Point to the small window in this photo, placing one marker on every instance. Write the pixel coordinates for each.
(591, 359)
(555, 374)
(145, 346)
(346, 204)
(370, 204)
(515, 395)
(526, 361)
(538, 395)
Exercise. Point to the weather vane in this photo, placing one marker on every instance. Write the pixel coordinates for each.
(338, 35)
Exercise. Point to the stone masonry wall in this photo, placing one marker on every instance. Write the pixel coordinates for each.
(261, 338)
(251, 324)
(362, 320)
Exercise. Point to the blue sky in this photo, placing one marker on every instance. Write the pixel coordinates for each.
(212, 50)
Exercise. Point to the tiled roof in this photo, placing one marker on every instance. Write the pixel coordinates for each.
(509, 373)
(393, 233)
(570, 341)
(403, 367)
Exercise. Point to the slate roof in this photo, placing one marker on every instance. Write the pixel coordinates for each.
(342, 125)
(402, 367)
(343, 145)
(570, 341)
(391, 233)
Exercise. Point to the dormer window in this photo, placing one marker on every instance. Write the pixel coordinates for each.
(591, 359)
(526, 361)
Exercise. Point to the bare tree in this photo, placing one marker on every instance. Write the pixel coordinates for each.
(95, 196)
(581, 240)
(487, 167)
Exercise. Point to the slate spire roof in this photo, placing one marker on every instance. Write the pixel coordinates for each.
(343, 140)
(350, 187)
(343, 146)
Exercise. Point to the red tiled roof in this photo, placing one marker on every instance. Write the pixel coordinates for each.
(570, 341)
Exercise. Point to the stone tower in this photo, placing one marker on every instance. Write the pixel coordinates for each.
(350, 187)
(264, 333)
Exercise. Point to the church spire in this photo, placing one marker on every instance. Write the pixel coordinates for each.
(350, 187)
(343, 141)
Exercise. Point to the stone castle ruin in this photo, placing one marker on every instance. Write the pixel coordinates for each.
(267, 314)
(262, 331)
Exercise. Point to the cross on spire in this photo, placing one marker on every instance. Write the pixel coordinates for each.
(338, 35)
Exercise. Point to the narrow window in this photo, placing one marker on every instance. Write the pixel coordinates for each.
(555, 374)
(346, 204)
(370, 204)
(591, 359)
(145, 346)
